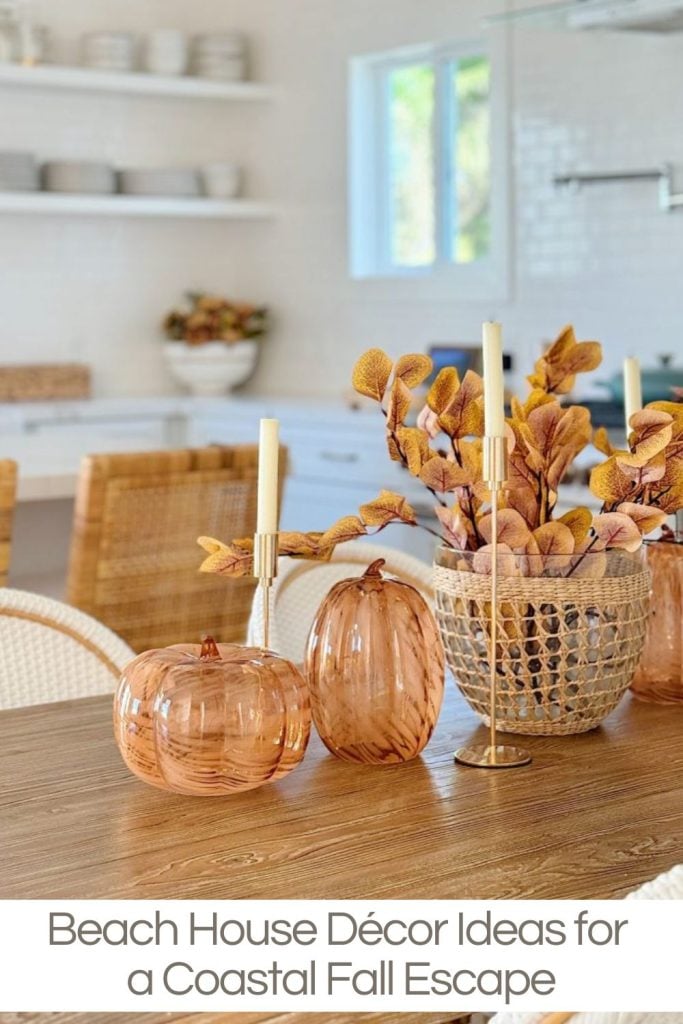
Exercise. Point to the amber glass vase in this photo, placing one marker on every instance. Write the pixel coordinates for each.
(211, 720)
(375, 667)
(659, 676)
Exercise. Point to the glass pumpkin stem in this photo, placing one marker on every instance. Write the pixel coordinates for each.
(374, 571)
(209, 651)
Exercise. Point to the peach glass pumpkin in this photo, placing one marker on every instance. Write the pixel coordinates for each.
(211, 720)
(375, 667)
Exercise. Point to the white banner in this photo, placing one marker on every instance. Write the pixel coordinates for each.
(299, 955)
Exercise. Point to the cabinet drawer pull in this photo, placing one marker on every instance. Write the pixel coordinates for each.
(340, 456)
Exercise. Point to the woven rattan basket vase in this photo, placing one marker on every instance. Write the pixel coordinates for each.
(568, 644)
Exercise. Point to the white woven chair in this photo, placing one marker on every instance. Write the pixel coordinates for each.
(301, 586)
(51, 651)
(668, 886)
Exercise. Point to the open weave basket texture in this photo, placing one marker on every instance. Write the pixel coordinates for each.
(567, 648)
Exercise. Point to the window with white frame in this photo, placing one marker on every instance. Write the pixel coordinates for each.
(421, 154)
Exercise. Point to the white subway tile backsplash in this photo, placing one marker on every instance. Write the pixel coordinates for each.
(604, 257)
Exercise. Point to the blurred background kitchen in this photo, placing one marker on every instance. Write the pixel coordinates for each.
(373, 174)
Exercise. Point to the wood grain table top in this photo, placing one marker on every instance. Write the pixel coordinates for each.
(594, 816)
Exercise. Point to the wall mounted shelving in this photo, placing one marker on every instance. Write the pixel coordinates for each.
(48, 76)
(133, 206)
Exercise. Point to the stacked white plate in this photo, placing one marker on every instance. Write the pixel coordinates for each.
(161, 181)
(222, 57)
(18, 172)
(79, 176)
(109, 51)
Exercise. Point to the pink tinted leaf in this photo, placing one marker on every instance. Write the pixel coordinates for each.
(617, 530)
(506, 561)
(645, 517)
(512, 529)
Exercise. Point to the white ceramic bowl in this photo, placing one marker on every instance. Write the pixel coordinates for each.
(212, 368)
(78, 176)
(228, 69)
(232, 44)
(112, 51)
(162, 181)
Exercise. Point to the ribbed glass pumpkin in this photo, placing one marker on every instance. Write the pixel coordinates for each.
(211, 720)
(375, 668)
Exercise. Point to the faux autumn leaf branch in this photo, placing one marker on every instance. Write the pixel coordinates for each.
(645, 481)
(638, 487)
(236, 559)
(454, 409)
(544, 440)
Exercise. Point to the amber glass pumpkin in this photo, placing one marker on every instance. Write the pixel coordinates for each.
(211, 720)
(375, 668)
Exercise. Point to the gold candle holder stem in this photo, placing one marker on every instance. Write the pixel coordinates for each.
(494, 755)
(493, 658)
(265, 571)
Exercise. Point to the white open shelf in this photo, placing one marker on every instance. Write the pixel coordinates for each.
(91, 80)
(132, 206)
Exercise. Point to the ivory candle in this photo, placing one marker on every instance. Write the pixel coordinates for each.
(494, 394)
(633, 392)
(268, 458)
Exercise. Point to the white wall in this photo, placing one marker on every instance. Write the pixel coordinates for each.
(606, 259)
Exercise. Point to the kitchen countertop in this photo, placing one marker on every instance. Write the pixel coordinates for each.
(17, 414)
(49, 470)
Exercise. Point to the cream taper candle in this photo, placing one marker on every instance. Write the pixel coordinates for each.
(269, 453)
(494, 392)
(633, 392)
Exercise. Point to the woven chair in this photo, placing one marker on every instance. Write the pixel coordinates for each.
(134, 555)
(301, 586)
(668, 886)
(51, 651)
(8, 498)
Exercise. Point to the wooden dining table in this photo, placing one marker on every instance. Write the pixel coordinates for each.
(593, 816)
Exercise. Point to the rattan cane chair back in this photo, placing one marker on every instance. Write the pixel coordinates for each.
(8, 499)
(134, 556)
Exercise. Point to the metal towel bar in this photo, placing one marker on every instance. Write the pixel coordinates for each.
(664, 176)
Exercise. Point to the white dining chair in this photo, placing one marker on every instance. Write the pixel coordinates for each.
(51, 651)
(668, 886)
(301, 586)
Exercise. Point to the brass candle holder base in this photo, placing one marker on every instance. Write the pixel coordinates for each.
(494, 755)
(265, 571)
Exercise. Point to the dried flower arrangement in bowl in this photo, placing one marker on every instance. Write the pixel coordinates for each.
(212, 346)
(574, 589)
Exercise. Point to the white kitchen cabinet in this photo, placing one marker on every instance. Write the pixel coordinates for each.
(338, 461)
(334, 467)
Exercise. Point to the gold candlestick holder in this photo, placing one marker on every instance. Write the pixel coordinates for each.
(265, 571)
(494, 754)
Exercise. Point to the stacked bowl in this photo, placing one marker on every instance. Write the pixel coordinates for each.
(79, 176)
(180, 182)
(109, 51)
(222, 57)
